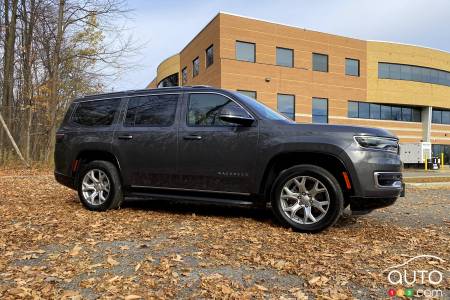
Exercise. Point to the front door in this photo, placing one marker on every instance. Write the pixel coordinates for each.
(146, 142)
(215, 155)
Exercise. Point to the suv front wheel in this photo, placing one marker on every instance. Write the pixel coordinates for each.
(99, 186)
(307, 198)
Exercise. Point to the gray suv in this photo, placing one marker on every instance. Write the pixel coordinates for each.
(203, 144)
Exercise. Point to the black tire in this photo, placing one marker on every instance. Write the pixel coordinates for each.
(336, 198)
(115, 195)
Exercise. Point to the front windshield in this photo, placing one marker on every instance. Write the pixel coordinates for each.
(264, 111)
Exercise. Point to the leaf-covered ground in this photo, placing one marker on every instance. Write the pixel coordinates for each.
(50, 247)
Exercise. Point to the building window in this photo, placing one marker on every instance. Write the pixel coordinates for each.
(251, 94)
(319, 110)
(386, 112)
(286, 105)
(351, 67)
(374, 111)
(285, 57)
(245, 51)
(184, 76)
(320, 62)
(413, 73)
(171, 80)
(195, 67)
(209, 55)
(441, 116)
(352, 109)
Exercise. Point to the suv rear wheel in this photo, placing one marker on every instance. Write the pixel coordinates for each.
(99, 186)
(307, 198)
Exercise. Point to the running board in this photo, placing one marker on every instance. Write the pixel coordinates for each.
(189, 199)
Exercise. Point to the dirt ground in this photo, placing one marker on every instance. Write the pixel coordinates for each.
(51, 247)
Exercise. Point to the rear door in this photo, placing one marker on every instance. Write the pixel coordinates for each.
(215, 155)
(147, 140)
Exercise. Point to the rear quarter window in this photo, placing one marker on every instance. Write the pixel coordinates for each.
(96, 113)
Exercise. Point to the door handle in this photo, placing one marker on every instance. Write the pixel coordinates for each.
(192, 137)
(125, 137)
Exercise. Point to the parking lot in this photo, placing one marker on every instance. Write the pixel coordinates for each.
(51, 247)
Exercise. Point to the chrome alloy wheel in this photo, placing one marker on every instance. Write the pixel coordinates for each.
(96, 187)
(305, 200)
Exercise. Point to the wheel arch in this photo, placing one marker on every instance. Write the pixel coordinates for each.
(86, 156)
(329, 161)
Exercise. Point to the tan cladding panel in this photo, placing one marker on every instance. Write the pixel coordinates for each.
(168, 67)
(197, 48)
(267, 36)
(402, 91)
(268, 79)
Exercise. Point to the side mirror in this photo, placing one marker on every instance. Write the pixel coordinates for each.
(236, 115)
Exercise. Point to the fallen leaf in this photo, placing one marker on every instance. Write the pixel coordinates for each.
(112, 261)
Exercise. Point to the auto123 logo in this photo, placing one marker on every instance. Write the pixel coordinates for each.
(418, 282)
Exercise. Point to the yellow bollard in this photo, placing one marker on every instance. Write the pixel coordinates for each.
(442, 160)
(426, 162)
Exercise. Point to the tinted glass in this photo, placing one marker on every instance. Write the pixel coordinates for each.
(261, 109)
(251, 94)
(352, 67)
(383, 70)
(320, 62)
(204, 109)
(184, 75)
(155, 110)
(171, 80)
(414, 73)
(406, 114)
(385, 112)
(195, 67)
(416, 115)
(394, 71)
(437, 116)
(245, 51)
(396, 113)
(374, 111)
(285, 57)
(405, 72)
(446, 117)
(286, 105)
(363, 110)
(96, 113)
(319, 110)
(209, 56)
(352, 109)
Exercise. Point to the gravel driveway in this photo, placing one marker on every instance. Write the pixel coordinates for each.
(53, 248)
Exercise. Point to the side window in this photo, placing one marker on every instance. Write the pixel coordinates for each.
(96, 113)
(204, 110)
(152, 110)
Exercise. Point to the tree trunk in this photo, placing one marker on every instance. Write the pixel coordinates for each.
(27, 70)
(54, 83)
(5, 127)
(8, 62)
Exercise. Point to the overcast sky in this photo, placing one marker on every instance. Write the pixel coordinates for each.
(167, 26)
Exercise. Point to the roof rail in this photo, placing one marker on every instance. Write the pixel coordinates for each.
(198, 86)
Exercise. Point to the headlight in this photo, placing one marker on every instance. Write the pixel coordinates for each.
(378, 143)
